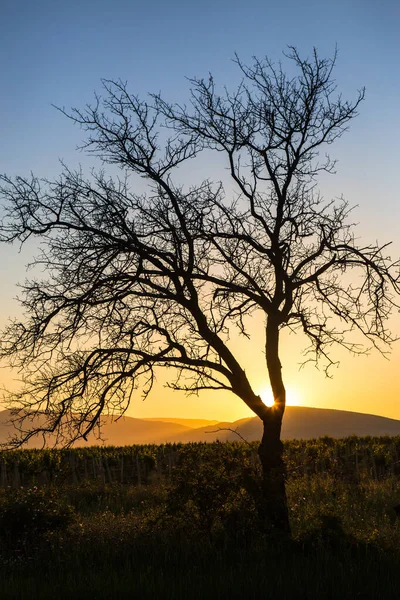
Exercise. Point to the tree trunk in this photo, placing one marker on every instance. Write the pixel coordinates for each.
(273, 509)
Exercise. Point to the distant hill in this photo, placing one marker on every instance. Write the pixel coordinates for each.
(192, 423)
(122, 432)
(299, 422)
(306, 423)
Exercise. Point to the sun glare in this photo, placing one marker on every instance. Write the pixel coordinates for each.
(293, 397)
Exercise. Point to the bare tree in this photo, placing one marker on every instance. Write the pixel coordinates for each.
(138, 281)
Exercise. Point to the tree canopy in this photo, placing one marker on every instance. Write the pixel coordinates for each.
(138, 280)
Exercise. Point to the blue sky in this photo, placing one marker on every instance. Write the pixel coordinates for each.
(57, 52)
(54, 52)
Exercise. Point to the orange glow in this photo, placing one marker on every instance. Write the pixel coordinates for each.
(293, 396)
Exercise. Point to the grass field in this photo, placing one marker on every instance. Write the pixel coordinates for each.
(194, 534)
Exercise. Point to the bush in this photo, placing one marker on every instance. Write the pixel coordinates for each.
(212, 491)
(27, 515)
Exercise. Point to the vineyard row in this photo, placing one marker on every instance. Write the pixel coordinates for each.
(350, 458)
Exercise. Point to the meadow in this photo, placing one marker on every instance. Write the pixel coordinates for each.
(179, 521)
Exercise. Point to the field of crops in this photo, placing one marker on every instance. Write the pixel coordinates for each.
(349, 458)
(179, 522)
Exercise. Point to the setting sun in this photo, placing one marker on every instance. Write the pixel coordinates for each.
(293, 396)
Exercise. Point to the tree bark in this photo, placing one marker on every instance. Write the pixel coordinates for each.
(273, 507)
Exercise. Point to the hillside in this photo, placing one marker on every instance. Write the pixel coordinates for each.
(299, 422)
(121, 432)
(191, 423)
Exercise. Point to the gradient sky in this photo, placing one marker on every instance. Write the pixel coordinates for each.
(54, 52)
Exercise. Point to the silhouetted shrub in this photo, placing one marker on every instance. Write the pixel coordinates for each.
(27, 515)
(213, 491)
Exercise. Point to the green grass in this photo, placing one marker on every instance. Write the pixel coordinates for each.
(176, 571)
(126, 541)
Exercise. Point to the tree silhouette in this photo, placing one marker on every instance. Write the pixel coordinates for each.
(135, 281)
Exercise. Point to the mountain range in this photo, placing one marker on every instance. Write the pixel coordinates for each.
(299, 422)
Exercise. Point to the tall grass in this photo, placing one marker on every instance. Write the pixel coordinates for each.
(154, 540)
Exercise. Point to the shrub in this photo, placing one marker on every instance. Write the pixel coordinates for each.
(212, 491)
(29, 514)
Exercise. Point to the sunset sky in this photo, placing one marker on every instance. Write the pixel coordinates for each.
(54, 52)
